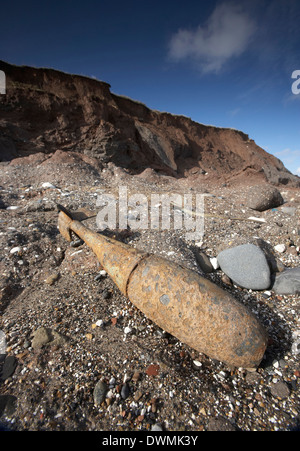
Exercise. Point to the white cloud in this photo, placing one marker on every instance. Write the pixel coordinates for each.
(226, 34)
(235, 112)
(288, 153)
(290, 158)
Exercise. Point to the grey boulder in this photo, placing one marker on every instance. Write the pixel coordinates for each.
(264, 197)
(287, 282)
(247, 266)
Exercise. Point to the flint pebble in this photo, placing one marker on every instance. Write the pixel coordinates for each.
(289, 210)
(48, 185)
(100, 391)
(280, 390)
(9, 366)
(8, 404)
(157, 427)
(247, 266)
(264, 198)
(287, 282)
(3, 344)
(125, 391)
(204, 262)
(45, 336)
(280, 248)
(16, 249)
(51, 279)
(296, 342)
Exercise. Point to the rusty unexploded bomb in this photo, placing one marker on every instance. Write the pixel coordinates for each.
(179, 300)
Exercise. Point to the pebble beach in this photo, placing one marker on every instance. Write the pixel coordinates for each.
(75, 354)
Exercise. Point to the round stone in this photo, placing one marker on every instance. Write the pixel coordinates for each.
(100, 391)
(247, 266)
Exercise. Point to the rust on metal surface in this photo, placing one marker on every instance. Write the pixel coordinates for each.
(197, 312)
(180, 301)
(117, 258)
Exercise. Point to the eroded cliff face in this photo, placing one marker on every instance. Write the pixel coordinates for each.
(45, 110)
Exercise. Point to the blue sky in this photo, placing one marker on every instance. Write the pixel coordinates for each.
(223, 63)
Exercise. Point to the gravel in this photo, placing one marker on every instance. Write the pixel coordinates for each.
(97, 338)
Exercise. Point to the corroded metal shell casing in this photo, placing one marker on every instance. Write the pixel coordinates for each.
(197, 312)
(178, 300)
(118, 259)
